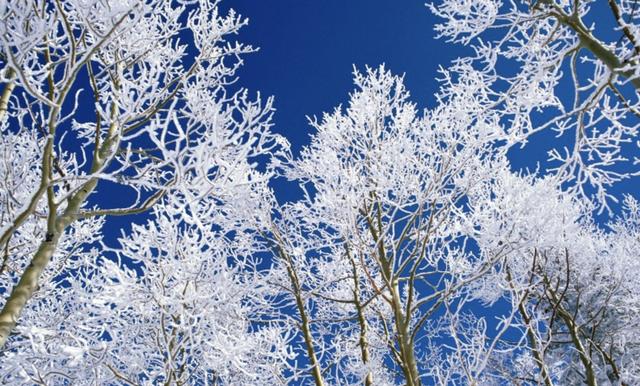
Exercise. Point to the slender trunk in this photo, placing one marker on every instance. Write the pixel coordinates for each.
(577, 342)
(405, 343)
(533, 343)
(25, 288)
(574, 332)
(316, 371)
(404, 340)
(28, 283)
(364, 343)
(6, 94)
(362, 321)
(537, 352)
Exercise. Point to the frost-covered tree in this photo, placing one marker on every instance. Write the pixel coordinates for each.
(381, 245)
(570, 69)
(566, 282)
(111, 96)
(417, 257)
(555, 67)
(180, 302)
